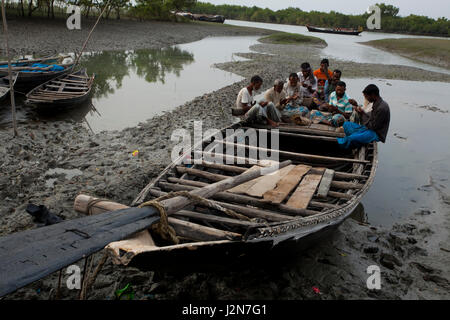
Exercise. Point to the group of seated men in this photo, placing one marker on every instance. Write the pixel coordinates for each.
(318, 97)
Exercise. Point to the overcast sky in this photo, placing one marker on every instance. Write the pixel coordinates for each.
(431, 8)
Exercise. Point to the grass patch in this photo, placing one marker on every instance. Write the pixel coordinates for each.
(432, 51)
(292, 38)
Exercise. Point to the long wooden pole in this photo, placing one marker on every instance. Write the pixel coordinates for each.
(11, 82)
(30, 255)
(89, 35)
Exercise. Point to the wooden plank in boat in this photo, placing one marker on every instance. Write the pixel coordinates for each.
(286, 185)
(305, 191)
(268, 182)
(68, 88)
(325, 183)
(242, 188)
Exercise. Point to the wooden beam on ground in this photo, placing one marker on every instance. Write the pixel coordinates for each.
(286, 185)
(303, 194)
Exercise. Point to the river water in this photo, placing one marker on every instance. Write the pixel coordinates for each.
(132, 86)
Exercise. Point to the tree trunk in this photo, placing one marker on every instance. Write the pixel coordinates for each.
(118, 13)
(22, 10)
(53, 8)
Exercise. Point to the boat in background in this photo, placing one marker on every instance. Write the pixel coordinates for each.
(33, 72)
(345, 31)
(64, 91)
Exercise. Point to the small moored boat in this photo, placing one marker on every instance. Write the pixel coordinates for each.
(33, 72)
(64, 91)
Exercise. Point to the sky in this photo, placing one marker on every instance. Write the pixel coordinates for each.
(431, 8)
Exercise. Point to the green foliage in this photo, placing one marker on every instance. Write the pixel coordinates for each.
(390, 22)
(292, 38)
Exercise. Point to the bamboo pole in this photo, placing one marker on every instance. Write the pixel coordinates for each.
(89, 35)
(11, 82)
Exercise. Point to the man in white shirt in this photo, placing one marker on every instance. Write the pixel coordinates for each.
(308, 82)
(261, 112)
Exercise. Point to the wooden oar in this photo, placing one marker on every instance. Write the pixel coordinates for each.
(31, 255)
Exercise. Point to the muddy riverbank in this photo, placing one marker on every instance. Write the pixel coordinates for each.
(52, 162)
(45, 37)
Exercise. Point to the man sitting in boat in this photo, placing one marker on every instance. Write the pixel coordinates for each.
(308, 82)
(338, 110)
(330, 85)
(323, 74)
(261, 112)
(375, 124)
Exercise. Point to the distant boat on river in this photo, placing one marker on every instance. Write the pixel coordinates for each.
(346, 31)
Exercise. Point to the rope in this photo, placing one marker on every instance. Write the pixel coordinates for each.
(165, 230)
(92, 203)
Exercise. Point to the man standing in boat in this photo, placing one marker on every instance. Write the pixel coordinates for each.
(261, 112)
(375, 124)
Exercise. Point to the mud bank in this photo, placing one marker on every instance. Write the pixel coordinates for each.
(50, 163)
(44, 37)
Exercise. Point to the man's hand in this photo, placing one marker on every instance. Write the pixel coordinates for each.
(332, 108)
(304, 85)
(359, 109)
(310, 89)
(284, 101)
(263, 104)
(353, 102)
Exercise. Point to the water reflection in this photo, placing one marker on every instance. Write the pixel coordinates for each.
(153, 65)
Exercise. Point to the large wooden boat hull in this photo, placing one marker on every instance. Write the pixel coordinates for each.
(334, 31)
(276, 237)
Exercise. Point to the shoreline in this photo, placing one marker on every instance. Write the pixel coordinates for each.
(336, 266)
(429, 51)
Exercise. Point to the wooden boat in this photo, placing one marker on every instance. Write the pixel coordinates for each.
(5, 87)
(64, 91)
(250, 217)
(209, 18)
(345, 31)
(26, 79)
(273, 214)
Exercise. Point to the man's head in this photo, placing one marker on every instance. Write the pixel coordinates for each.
(371, 93)
(278, 85)
(324, 64)
(293, 79)
(256, 82)
(306, 69)
(336, 76)
(340, 88)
